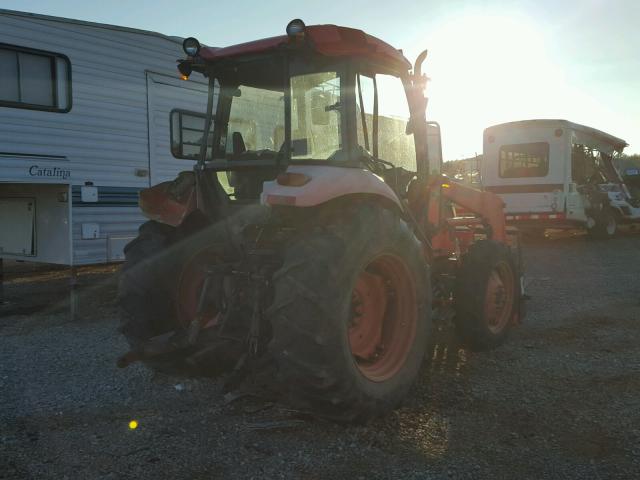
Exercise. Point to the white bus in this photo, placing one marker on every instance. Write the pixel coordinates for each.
(557, 174)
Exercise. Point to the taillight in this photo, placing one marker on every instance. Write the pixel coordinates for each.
(281, 200)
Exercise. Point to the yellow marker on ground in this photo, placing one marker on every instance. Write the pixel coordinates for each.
(133, 424)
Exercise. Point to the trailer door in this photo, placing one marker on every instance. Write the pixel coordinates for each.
(166, 94)
(19, 214)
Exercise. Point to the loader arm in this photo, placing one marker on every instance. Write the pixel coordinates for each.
(484, 204)
(480, 208)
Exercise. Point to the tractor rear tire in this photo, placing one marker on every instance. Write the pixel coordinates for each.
(157, 275)
(487, 295)
(146, 292)
(359, 286)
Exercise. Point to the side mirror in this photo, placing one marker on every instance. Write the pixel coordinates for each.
(319, 103)
(187, 132)
(434, 148)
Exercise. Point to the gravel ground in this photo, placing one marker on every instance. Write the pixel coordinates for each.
(559, 400)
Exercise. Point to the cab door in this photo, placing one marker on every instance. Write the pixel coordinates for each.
(165, 95)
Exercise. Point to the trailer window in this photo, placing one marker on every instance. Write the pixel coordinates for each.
(187, 131)
(34, 79)
(524, 160)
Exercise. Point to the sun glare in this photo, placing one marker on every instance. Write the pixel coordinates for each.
(486, 70)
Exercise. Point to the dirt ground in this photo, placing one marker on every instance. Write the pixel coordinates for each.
(560, 400)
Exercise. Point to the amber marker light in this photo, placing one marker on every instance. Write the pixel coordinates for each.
(133, 424)
(185, 70)
(293, 179)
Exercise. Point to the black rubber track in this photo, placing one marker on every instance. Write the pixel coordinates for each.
(310, 313)
(469, 296)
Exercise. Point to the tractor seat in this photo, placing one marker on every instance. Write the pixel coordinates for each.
(247, 184)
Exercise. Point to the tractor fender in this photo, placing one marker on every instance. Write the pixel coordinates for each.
(170, 202)
(320, 184)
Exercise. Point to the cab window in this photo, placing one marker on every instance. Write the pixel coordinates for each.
(386, 137)
(256, 121)
(394, 145)
(365, 98)
(187, 132)
(315, 116)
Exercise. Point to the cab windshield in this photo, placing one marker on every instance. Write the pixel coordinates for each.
(268, 113)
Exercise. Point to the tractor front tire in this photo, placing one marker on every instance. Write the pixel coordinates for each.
(350, 316)
(487, 295)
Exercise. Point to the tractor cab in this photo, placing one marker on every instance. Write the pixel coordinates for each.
(324, 246)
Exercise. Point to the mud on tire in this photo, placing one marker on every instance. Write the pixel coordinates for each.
(312, 316)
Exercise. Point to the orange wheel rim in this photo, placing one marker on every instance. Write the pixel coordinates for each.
(384, 318)
(190, 286)
(499, 298)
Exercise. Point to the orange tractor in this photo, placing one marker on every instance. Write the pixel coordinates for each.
(315, 238)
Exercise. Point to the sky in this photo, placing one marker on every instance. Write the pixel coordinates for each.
(489, 61)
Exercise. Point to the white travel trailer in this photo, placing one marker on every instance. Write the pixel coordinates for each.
(557, 174)
(84, 126)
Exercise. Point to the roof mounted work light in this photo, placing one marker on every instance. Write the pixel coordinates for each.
(295, 28)
(191, 46)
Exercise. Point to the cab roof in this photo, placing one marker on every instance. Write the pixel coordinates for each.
(328, 40)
